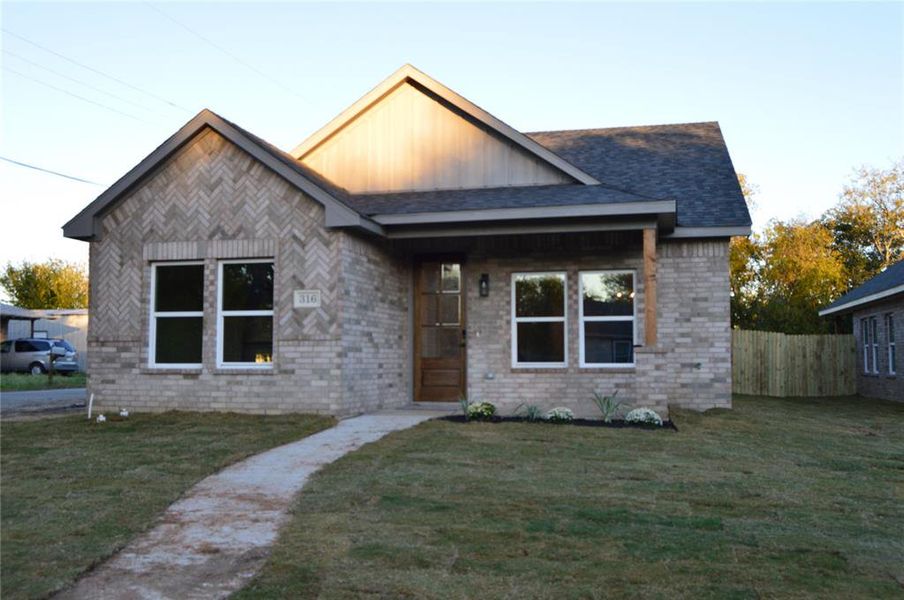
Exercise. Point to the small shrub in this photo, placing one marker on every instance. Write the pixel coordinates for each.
(481, 411)
(608, 405)
(560, 414)
(464, 403)
(644, 415)
(532, 412)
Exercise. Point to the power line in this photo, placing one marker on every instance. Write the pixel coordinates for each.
(43, 170)
(93, 70)
(82, 98)
(87, 85)
(237, 59)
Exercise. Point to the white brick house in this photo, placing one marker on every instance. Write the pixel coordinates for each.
(416, 248)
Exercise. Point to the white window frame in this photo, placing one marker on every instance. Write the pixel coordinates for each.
(221, 315)
(152, 322)
(864, 339)
(892, 347)
(585, 319)
(563, 319)
(874, 338)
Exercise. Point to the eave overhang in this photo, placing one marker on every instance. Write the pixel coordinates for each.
(86, 224)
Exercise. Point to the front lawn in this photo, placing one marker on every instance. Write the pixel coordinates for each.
(21, 382)
(72, 492)
(776, 498)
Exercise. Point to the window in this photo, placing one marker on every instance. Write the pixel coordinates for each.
(177, 315)
(864, 338)
(874, 339)
(5, 346)
(539, 337)
(890, 334)
(32, 346)
(606, 318)
(245, 314)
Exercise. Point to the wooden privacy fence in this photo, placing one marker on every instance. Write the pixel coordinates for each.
(767, 363)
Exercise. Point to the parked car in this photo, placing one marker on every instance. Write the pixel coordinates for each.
(32, 355)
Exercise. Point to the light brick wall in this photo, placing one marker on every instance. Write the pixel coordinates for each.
(212, 201)
(690, 366)
(376, 332)
(883, 385)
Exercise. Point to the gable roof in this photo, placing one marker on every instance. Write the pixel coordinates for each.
(887, 283)
(85, 226)
(686, 162)
(408, 74)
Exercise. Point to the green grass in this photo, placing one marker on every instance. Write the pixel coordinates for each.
(72, 493)
(774, 499)
(20, 382)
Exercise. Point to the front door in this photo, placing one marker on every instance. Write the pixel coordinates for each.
(439, 339)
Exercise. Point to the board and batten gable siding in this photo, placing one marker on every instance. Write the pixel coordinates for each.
(411, 141)
(208, 202)
(689, 366)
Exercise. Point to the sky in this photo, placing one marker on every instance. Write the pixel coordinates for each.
(804, 92)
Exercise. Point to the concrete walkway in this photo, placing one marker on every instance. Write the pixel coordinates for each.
(210, 543)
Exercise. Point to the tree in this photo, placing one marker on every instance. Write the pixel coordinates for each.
(800, 273)
(50, 284)
(868, 222)
(744, 260)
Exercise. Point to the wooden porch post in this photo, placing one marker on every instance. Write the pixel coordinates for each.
(649, 286)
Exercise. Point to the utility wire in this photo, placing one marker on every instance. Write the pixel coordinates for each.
(82, 98)
(237, 59)
(87, 85)
(43, 170)
(93, 70)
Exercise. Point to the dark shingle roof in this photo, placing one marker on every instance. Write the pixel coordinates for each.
(686, 162)
(488, 198)
(891, 277)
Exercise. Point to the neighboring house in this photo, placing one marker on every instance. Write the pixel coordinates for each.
(65, 324)
(877, 309)
(415, 248)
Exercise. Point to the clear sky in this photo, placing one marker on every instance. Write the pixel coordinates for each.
(804, 92)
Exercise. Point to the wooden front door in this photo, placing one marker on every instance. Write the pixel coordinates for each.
(439, 338)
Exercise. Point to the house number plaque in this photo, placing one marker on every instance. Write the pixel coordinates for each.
(307, 299)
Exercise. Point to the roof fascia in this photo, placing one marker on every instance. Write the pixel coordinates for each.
(704, 232)
(85, 224)
(538, 212)
(467, 230)
(898, 289)
(408, 72)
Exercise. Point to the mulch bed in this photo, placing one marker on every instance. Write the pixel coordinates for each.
(620, 424)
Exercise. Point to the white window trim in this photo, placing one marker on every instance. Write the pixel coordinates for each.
(221, 315)
(864, 335)
(563, 319)
(874, 330)
(582, 319)
(892, 346)
(152, 321)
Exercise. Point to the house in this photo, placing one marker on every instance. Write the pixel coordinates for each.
(414, 248)
(877, 308)
(70, 324)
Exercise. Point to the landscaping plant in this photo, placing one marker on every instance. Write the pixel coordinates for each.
(608, 405)
(532, 412)
(481, 411)
(644, 415)
(560, 414)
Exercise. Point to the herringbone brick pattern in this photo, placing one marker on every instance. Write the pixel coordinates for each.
(212, 191)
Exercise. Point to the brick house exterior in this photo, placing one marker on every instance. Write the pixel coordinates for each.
(877, 310)
(408, 280)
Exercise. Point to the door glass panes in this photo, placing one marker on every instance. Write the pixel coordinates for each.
(440, 342)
